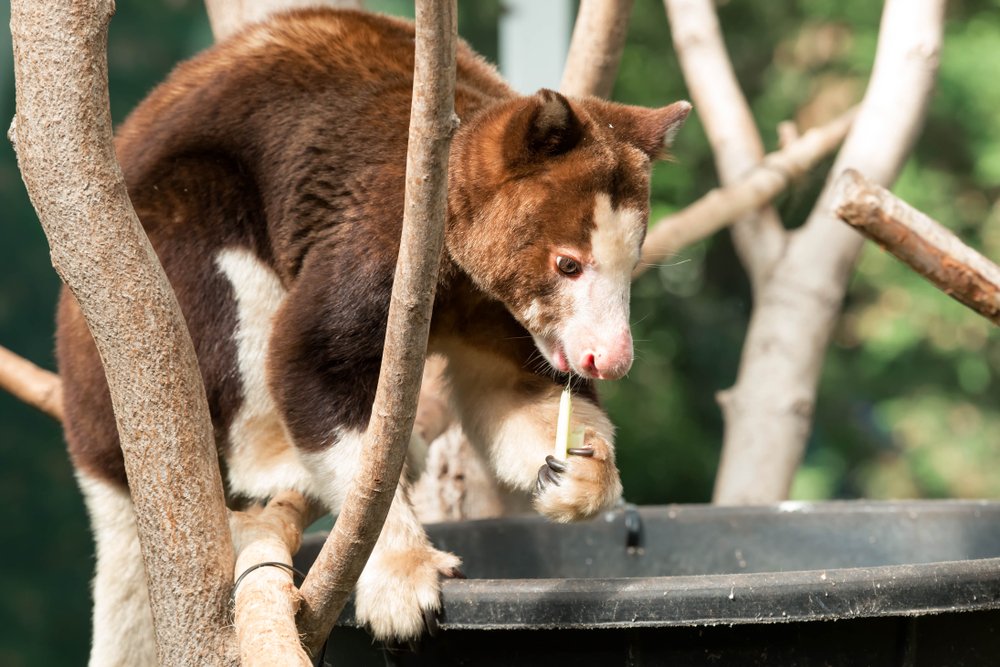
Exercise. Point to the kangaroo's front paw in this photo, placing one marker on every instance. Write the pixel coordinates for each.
(399, 593)
(581, 486)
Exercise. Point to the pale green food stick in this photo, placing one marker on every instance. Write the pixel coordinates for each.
(566, 436)
(562, 424)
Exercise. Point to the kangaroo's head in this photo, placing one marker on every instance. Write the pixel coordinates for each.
(549, 203)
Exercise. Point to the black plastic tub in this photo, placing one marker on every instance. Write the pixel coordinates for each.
(852, 583)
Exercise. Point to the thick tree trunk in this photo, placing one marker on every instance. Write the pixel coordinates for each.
(63, 140)
(432, 123)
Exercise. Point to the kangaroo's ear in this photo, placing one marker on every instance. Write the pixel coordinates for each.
(650, 130)
(545, 126)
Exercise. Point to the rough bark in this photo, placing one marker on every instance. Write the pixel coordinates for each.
(432, 123)
(63, 140)
(768, 412)
(759, 237)
(33, 385)
(595, 50)
(228, 16)
(923, 244)
(266, 599)
(755, 189)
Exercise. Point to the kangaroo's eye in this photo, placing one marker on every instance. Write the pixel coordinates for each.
(568, 266)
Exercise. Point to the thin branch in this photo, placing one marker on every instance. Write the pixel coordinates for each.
(925, 245)
(33, 385)
(64, 148)
(788, 132)
(266, 600)
(768, 412)
(723, 110)
(756, 188)
(432, 123)
(595, 50)
(229, 16)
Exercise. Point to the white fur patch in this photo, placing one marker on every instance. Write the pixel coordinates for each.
(262, 460)
(599, 297)
(123, 622)
(616, 239)
(334, 467)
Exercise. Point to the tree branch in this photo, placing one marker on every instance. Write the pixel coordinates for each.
(923, 244)
(229, 16)
(759, 186)
(759, 237)
(63, 141)
(769, 410)
(33, 385)
(595, 50)
(432, 123)
(266, 600)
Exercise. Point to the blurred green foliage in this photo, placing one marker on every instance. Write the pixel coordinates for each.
(908, 398)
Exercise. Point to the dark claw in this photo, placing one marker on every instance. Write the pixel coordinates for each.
(431, 622)
(454, 573)
(546, 476)
(581, 451)
(555, 464)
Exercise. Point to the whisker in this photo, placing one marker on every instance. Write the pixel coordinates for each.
(641, 319)
(666, 266)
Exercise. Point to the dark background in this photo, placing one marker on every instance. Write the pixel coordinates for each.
(908, 403)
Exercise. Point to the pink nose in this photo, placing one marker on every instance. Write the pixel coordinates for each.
(609, 361)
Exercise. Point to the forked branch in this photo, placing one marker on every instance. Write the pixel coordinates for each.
(721, 206)
(768, 412)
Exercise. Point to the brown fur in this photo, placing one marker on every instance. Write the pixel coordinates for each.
(278, 157)
(290, 140)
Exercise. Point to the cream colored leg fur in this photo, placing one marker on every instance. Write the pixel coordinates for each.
(123, 623)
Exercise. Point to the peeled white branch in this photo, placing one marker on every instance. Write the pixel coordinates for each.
(769, 410)
(432, 123)
(758, 187)
(925, 245)
(229, 16)
(64, 147)
(595, 50)
(723, 110)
